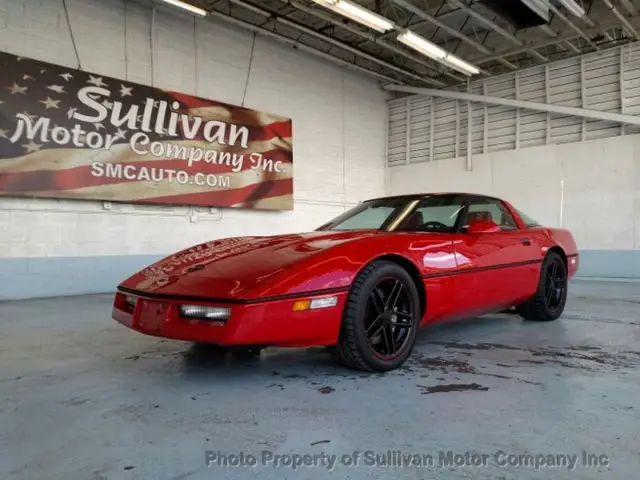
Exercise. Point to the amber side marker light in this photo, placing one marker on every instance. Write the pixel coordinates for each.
(315, 303)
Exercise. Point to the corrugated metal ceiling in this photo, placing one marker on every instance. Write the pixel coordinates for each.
(468, 28)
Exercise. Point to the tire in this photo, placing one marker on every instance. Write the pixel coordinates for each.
(213, 349)
(338, 356)
(210, 350)
(547, 303)
(247, 351)
(353, 349)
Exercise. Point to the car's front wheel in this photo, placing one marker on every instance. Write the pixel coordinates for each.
(222, 350)
(551, 296)
(380, 319)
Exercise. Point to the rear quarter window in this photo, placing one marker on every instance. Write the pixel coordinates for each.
(528, 221)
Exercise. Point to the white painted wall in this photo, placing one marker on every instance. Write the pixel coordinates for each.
(592, 188)
(339, 123)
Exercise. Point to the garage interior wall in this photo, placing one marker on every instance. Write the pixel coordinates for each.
(52, 247)
(568, 171)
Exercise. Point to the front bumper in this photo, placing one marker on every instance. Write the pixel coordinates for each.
(272, 322)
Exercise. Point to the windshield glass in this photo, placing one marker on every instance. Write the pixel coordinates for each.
(372, 214)
(436, 213)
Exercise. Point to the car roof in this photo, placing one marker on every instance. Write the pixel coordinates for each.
(415, 196)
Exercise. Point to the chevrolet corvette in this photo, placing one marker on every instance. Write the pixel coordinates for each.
(362, 284)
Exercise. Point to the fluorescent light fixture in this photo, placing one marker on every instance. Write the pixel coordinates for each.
(573, 7)
(187, 6)
(358, 14)
(461, 65)
(422, 45)
(429, 49)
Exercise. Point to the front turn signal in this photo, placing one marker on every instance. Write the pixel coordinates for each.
(314, 304)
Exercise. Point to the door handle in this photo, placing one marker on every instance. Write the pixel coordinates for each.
(525, 241)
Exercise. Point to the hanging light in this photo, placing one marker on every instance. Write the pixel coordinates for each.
(358, 14)
(431, 50)
(573, 7)
(187, 6)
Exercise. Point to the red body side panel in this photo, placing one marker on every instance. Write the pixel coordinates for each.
(499, 270)
(564, 239)
(260, 278)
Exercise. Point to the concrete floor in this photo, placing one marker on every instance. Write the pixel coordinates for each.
(83, 398)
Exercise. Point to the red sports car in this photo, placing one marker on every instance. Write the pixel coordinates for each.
(362, 284)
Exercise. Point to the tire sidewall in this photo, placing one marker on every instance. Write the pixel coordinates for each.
(399, 273)
(554, 258)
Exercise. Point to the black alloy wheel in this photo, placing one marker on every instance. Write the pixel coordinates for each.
(555, 286)
(549, 301)
(380, 319)
(388, 318)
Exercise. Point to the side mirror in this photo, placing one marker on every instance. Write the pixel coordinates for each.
(483, 226)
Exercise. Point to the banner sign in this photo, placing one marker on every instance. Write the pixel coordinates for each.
(72, 134)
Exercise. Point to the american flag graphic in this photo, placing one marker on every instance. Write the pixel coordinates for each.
(125, 142)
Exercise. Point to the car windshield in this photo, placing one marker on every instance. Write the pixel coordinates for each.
(372, 214)
(437, 213)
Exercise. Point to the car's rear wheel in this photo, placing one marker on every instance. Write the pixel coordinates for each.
(380, 319)
(551, 296)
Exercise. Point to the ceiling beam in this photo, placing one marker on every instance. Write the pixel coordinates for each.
(301, 46)
(485, 21)
(451, 31)
(313, 33)
(496, 28)
(559, 39)
(371, 38)
(540, 107)
(572, 25)
(632, 31)
(629, 7)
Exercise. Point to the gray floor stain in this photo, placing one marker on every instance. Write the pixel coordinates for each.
(326, 389)
(453, 387)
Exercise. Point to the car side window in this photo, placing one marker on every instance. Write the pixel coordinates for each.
(437, 214)
(445, 215)
(528, 221)
(492, 211)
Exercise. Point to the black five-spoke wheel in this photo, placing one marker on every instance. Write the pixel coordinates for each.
(380, 320)
(551, 296)
(555, 284)
(388, 318)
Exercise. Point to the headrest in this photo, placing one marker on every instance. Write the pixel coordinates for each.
(479, 216)
(412, 222)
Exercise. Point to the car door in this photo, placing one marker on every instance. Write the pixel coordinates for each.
(428, 229)
(495, 269)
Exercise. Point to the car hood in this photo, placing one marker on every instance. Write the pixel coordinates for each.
(232, 268)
